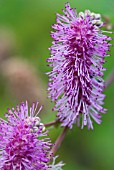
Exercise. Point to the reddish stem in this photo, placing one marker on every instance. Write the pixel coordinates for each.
(58, 142)
(51, 123)
(109, 80)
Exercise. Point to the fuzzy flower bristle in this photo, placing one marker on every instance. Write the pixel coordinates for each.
(57, 166)
(77, 57)
(23, 141)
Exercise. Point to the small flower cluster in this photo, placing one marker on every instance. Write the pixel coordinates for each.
(77, 58)
(23, 141)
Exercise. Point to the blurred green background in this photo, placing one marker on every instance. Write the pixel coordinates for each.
(25, 27)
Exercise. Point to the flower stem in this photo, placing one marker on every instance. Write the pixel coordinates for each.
(58, 142)
(109, 80)
(51, 123)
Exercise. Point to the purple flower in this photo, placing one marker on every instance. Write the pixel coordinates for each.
(77, 58)
(23, 142)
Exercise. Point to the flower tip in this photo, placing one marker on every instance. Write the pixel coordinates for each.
(67, 4)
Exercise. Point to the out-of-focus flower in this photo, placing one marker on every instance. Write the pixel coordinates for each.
(23, 141)
(108, 25)
(7, 43)
(77, 58)
(22, 81)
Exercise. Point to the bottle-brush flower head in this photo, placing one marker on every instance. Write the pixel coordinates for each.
(77, 57)
(23, 140)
